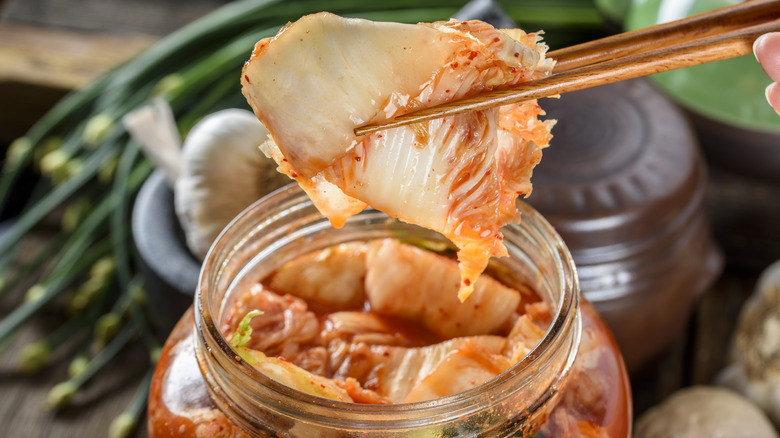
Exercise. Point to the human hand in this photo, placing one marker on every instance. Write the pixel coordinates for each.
(767, 51)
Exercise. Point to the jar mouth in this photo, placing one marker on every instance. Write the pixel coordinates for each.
(290, 204)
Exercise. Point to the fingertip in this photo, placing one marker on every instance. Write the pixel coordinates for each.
(773, 96)
(758, 43)
(766, 48)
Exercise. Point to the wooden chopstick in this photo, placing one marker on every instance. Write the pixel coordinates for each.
(668, 55)
(697, 26)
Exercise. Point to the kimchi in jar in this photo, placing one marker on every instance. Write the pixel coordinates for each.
(302, 330)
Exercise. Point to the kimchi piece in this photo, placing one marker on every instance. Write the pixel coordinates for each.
(395, 331)
(324, 75)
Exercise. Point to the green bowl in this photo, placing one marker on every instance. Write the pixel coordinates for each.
(613, 10)
(729, 91)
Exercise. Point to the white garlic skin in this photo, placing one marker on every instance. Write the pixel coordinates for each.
(704, 411)
(222, 172)
(754, 368)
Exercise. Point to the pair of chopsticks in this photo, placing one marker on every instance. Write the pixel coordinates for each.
(711, 36)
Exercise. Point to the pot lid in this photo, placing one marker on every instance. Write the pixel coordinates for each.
(622, 169)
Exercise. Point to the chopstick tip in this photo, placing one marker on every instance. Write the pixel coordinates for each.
(366, 129)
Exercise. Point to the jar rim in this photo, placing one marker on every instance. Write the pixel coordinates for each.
(565, 320)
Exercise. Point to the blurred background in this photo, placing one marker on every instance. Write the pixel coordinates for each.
(50, 49)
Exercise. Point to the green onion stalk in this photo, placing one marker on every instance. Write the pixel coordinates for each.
(90, 170)
(32, 266)
(126, 307)
(62, 393)
(34, 357)
(124, 424)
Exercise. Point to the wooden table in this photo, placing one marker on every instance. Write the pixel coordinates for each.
(48, 47)
(35, 42)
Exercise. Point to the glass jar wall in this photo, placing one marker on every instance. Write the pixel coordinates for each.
(573, 383)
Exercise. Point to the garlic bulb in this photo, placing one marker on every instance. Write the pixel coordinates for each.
(704, 411)
(222, 171)
(754, 370)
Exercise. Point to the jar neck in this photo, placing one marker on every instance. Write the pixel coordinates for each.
(285, 225)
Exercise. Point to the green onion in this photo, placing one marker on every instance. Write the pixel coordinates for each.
(119, 228)
(126, 423)
(49, 289)
(140, 320)
(27, 268)
(62, 393)
(45, 206)
(74, 255)
(35, 356)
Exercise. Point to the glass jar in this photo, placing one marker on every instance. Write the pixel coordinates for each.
(573, 383)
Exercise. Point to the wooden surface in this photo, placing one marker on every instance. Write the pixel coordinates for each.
(48, 47)
(118, 17)
(39, 65)
(60, 58)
